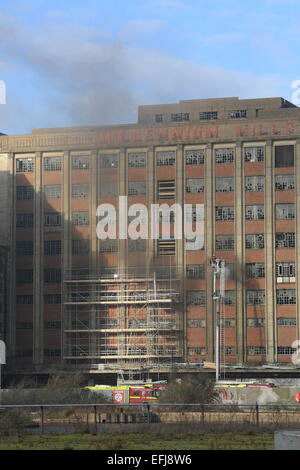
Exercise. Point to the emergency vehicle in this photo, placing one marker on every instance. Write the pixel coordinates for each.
(123, 394)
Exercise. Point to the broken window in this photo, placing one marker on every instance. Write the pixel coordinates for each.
(284, 156)
(224, 185)
(254, 154)
(194, 157)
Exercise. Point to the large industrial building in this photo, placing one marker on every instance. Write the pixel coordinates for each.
(74, 301)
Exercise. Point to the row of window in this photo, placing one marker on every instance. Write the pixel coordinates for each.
(166, 188)
(165, 246)
(27, 299)
(193, 271)
(222, 213)
(253, 297)
(204, 115)
(284, 157)
(22, 353)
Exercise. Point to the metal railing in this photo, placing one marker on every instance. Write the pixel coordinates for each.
(276, 416)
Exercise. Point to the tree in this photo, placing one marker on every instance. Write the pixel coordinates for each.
(190, 389)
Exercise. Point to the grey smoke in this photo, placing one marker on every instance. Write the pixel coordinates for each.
(82, 76)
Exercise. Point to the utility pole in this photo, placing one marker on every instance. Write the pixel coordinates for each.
(216, 264)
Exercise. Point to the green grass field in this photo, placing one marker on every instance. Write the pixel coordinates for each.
(145, 441)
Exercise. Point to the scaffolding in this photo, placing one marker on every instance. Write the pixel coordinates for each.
(125, 318)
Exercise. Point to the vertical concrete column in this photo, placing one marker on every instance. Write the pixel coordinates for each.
(38, 272)
(66, 264)
(123, 309)
(239, 250)
(9, 238)
(209, 211)
(94, 255)
(122, 192)
(93, 261)
(270, 306)
(180, 250)
(151, 198)
(66, 214)
(297, 197)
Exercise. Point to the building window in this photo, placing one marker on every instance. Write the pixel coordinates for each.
(237, 114)
(24, 193)
(137, 245)
(52, 163)
(285, 211)
(52, 191)
(208, 115)
(255, 270)
(52, 325)
(224, 213)
(254, 154)
(80, 218)
(195, 297)
(229, 350)
(24, 165)
(229, 297)
(110, 160)
(80, 162)
(52, 275)
(286, 296)
(52, 219)
(194, 185)
(256, 212)
(194, 157)
(286, 350)
(24, 299)
(24, 276)
(137, 160)
(108, 189)
(166, 158)
(229, 272)
(51, 299)
(195, 271)
(228, 322)
(284, 156)
(196, 323)
(255, 322)
(255, 297)
(109, 246)
(196, 351)
(166, 189)
(284, 182)
(196, 244)
(224, 185)
(24, 248)
(224, 242)
(225, 155)
(284, 321)
(285, 240)
(194, 214)
(285, 269)
(24, 352)
(52, 247)
(136, 188)
(256, 350)
(180, 117)
(24, 220)
(254, 183)
(52, 352)
(158, 117)
(80, 190)
(25, 325)
(80, 247)
(166, 247)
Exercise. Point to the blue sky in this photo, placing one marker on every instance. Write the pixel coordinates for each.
(79, 63)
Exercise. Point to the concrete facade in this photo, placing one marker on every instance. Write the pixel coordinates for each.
(239, 158)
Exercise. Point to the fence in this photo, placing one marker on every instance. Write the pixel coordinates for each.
(99, 418)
